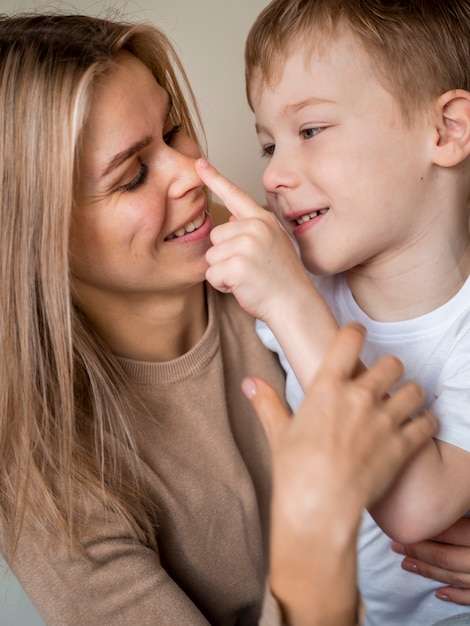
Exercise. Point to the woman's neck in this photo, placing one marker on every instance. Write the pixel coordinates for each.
(151, 328)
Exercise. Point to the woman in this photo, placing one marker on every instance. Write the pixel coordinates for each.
(135, 478)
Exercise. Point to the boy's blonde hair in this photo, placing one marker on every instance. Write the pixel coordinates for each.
(66, 439)
(419, 48)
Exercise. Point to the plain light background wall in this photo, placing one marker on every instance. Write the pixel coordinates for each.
(209, 36)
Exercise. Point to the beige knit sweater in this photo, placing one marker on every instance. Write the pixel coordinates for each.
(205, 460)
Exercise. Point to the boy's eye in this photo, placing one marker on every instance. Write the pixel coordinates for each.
(268, 150)
(139, 180)
(169, 136)
(308, 133)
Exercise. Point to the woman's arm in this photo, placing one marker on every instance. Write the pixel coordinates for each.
(124, 583)
(339, 454)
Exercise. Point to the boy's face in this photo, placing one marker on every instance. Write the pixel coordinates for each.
(346, 176)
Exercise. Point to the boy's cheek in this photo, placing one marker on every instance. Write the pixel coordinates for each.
(272, 203)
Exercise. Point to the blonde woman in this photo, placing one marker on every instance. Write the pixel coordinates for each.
(134, 475)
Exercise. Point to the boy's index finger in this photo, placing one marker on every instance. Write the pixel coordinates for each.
(237, 201)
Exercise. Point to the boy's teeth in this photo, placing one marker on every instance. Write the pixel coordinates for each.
(194, 224)
(310, 216)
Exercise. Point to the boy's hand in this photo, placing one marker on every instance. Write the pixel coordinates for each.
(252, 256)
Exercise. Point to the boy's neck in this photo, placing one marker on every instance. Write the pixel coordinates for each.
(399, 289)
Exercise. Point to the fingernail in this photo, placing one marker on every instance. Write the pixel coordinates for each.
(249, 388)
(409, 566)
(398, 548)
(442, 596)
(203, 163)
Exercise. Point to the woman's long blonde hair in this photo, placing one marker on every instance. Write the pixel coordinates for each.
(66, 439)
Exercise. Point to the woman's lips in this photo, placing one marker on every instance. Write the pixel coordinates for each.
(190, 227)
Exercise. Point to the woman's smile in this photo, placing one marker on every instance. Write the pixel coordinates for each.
(138, 191)
(196, 228)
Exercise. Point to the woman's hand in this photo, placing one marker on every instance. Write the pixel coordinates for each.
(339, 453)
(446, 559)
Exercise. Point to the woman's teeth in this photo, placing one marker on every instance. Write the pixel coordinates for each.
(310, 216)
(194, 224)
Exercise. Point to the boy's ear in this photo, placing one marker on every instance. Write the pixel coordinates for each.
(453, 128)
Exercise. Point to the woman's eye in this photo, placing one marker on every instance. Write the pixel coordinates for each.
(268, 150)
(139, 180)
(169, 136)
(308, 133)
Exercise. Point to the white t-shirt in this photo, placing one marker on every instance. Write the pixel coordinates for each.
(435, 349)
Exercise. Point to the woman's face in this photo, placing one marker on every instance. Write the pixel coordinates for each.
(140, 225)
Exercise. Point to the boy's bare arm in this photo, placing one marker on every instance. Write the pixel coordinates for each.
(432, 492)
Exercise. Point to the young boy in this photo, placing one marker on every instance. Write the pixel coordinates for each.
(363, 110)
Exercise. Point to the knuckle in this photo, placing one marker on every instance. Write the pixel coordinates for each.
(394, 362)
(458, 596)
(363, 400)
(457, 579)
(413, 391)
(442, 561)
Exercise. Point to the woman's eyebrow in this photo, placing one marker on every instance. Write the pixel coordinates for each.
(121, 157)
(126, 154)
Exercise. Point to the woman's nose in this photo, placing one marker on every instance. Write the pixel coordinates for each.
(182, 173)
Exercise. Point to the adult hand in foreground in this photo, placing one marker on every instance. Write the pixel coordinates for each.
(337, 455)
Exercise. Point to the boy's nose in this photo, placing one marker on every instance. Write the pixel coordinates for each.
(279, 175)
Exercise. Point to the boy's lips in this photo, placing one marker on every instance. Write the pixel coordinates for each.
(192, 225)
(306, 217)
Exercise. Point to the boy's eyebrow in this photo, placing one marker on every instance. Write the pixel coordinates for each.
(136, 147)
(297, 106)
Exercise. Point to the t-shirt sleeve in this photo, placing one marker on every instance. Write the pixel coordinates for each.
(451, 402)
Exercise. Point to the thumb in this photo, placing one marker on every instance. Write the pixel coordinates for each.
(237, 201)
(269, 408)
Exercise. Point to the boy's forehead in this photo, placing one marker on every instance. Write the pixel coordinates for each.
(325, 57)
